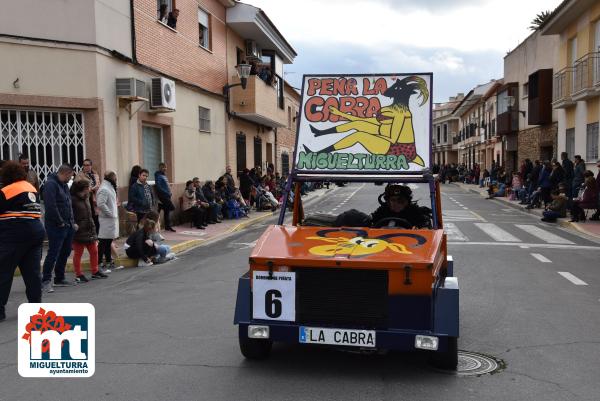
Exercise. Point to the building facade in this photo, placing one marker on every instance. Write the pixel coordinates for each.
(576, 80)
(525, 116)
(445, 129)
(255, 113)
(108, 80)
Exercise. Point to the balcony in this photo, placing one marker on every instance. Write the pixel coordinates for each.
(586, 77)
(258, 103)
(562, 88)
(540, 97)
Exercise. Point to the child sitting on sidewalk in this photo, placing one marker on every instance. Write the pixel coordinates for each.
(557, 208)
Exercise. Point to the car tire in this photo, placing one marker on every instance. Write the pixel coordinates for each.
(446, 360)
(252, 348)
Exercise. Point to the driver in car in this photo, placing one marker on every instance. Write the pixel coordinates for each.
(398, 204)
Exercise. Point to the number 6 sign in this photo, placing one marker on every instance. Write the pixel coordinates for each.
(274, 298)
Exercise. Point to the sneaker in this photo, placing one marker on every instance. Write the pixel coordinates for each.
(170, 256)
(81, 279)
(2, 314)
(105, 270)
(142, 263)
(113, 267)
(62, 283)
(98, 275)
(47, 287)
(171, 229)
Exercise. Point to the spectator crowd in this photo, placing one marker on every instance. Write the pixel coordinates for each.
(79, 211)
(555, 186)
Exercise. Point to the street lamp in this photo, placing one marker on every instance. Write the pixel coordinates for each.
(243, 72)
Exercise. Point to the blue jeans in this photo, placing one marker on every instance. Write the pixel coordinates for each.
(215, 211)
(59, 248)
(551, 214)
(163, 250)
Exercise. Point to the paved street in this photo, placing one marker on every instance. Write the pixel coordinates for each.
(530, 295)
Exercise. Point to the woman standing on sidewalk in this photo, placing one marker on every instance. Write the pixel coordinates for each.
(85, 236)
(108, 216)
(21, 234)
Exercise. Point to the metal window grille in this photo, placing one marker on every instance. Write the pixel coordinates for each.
(204, 115)
(257, 152)
(49, 138)
(592, 142)
(285, 163)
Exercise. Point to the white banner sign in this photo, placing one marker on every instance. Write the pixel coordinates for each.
(274, 298)
(365, 124)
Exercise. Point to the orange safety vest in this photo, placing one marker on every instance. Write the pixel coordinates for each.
(17, 195)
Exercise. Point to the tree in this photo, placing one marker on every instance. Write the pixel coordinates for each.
(539, 20)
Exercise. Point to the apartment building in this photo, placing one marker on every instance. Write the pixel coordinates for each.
(525, 116)
(257, 112)
(445, 129)
(477, 140)
(576, 79)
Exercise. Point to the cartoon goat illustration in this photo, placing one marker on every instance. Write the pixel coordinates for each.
(390, 132)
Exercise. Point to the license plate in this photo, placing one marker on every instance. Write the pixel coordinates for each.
(352, 338)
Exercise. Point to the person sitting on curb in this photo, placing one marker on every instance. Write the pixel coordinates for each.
(85, 236)
(197, 212)
(557, 208)
(140, 246)
(499, 193)
(588, 199)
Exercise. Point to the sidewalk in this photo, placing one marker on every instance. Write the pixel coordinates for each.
(187, 237)
(591, 228)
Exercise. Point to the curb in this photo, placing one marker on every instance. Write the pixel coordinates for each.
(189, 244)
(562, 223)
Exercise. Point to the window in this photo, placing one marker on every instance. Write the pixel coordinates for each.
(239, 55)
(570, 142)
(204, 115)
(204, 28)
(592, 142)
(257, 152)
(526, 89)
(240, 151)
(289, 117)
(152, 144)
(445, 133)
(168, 3)
(285, 163)
(438, 130)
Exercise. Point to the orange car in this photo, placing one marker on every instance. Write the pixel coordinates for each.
(390, 287)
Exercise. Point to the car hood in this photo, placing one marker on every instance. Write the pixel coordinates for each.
(351, 247)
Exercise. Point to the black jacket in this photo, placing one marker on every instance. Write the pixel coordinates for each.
(419, 217)
(57, 203)
(138, 249)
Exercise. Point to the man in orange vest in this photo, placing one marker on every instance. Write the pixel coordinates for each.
(21, 233)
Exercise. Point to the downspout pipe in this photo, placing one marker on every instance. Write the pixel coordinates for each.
(133, 40)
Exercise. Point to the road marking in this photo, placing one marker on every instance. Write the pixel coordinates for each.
(523, 246)
(466, 208)
(496, 232)
(543, 234)
(541, 258)
(477, 215)
(454, 233)
(572, 278)
(546, 246)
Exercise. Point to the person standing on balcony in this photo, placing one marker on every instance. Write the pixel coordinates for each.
(172, 18)
(163, 13)
(163, 192)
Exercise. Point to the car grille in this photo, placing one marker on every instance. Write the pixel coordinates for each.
(342, 297)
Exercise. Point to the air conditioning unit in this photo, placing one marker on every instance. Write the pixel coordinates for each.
(253, 51)
(162, 94)
(131, 88)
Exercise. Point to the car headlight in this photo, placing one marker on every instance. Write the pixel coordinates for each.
(260, 332)
(429, 343)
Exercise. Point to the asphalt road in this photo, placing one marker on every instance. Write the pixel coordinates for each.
(166, 332)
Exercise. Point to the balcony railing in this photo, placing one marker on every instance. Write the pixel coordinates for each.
(562, 86)
(586, 73)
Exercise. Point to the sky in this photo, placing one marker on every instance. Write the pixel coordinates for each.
(463, 42)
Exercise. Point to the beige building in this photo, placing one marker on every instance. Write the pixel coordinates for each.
(526, 119)
(575, 24)
(445, 129)
(476, 128)
(256, 113)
